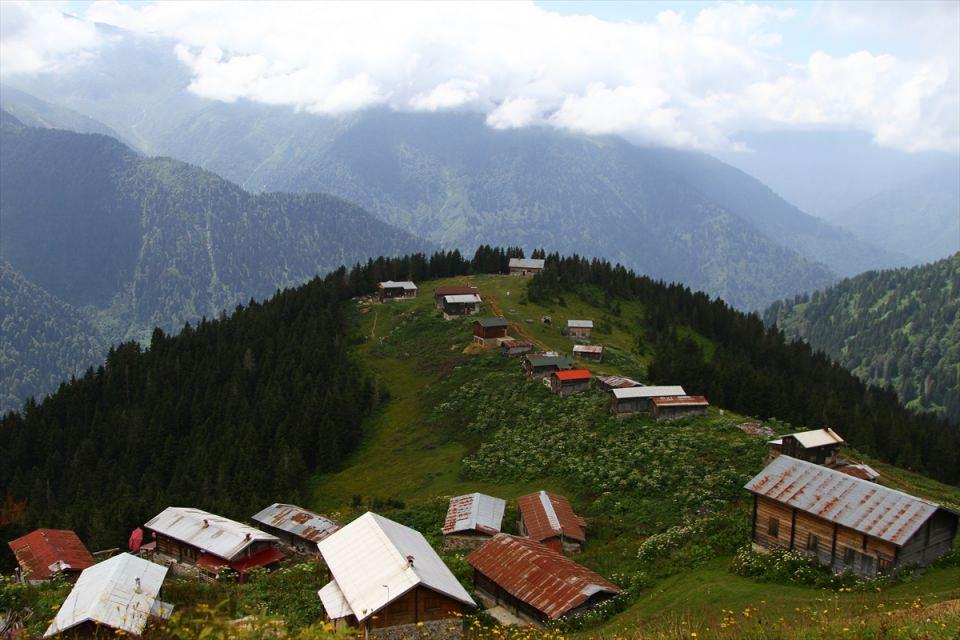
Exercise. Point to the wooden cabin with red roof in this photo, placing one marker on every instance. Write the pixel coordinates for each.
(534, 582)
(550, 519)
(567, 383)
(672, 407)
(46, 553)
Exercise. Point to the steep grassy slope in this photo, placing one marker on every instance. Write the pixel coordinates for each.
(899, 328)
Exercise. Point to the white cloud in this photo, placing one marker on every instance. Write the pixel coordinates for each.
(681, 80)
(38, 37)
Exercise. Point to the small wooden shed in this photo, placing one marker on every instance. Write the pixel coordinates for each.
(46, 553)
(579, 329)
(487, 331)
(515, 347)
(440, 293)
(460, 305)
(819, 446)
(541, 366)
(844, 522)
(567, 383)
(526, 266)
(549, 519)
(299, 530)
(588, 352)
(471, 520)
(671, 407)
(390, 290)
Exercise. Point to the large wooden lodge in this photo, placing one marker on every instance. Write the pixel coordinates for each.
(846, 523)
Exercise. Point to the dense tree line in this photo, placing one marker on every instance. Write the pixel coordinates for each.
(756, 370)
(899, 327)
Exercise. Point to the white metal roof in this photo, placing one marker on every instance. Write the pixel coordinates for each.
(368, 561)
(334, 602)
(817, 438)
(527, 263)
(580, 324)
(119, 593)
(465, 298)
(648, 392)
(474, 512)
(390, 284)
(214, 534)
(549, 511)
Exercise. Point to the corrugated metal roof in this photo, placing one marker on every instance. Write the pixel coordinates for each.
(368, 561)
(619, 382)
(580, 324)
(212, 533)
(680, 401)
(573, 374)
(862, 471)
(119, 592)
(536, 575)
(527, 263)
(467, 298)
(297, 521)
(545, 361)
(474, 512)
(817, 438)
(334, 602)
(491, 323)
(45, 552)
(390, 284)
(648, 392)
(454, 291)
(587, 348)
(547, 515)
(860, 505)
(515, 344)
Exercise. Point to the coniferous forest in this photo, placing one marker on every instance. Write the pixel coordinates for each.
(240, 411)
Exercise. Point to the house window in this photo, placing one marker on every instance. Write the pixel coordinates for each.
(849, 555)
(773, 527)
(813, 542)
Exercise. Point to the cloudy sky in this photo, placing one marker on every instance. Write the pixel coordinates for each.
(688, 74)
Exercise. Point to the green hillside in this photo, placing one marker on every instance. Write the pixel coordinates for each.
(899, 328)
(664, 503)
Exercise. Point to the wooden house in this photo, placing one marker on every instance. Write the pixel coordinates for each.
(609, 383)
(526, 266)
(515, 572)
(515, 347)
(46, 553)
(387, 580)
(540, 366)
(550, 519)
(820, 446)
(120, 594)
(391, 290)
(671, 407)
(211, 544)
(487, 331)
(471, 520)
(627, 400)
(846, 523)
(588, 352)
(579, 329)
(461, 305)
(441, 292)
(567, 383)
(297, 529)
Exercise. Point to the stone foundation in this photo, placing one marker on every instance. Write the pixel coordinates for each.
(448, 629)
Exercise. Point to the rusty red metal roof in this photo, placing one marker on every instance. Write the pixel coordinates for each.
(297, 521)
(46, 552)
(867, 507)
(548, 515)
(862, 471)
(515, 344)
(455, 291)
(543, 578)
(573, 374)
(263, 558)
(680, 401)
(474, 512)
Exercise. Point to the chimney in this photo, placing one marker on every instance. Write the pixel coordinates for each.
(138, 589)
(247, 536)
(206, 523)
(409, 561)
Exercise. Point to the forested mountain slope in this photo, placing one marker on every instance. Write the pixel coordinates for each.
(899, 327)
(136, 242)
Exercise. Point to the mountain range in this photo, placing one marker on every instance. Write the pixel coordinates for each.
(117, 243)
